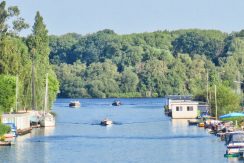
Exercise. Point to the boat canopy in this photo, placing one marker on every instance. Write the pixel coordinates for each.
(236, 138)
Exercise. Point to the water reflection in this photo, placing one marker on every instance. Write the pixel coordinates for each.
(22, 144)
(179, 123)
(181, 126)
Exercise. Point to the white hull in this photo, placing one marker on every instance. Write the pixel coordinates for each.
(48, 120)
(106, 122)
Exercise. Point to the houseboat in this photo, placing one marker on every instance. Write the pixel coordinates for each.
(184, 109)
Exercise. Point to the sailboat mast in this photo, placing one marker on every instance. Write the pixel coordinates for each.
(33, 86)
(216, 108)
(46, 95)
(16, 94)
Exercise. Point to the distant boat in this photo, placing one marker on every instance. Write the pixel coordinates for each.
(47, 119)
(74, 104)
(106, 122)
(116, 103)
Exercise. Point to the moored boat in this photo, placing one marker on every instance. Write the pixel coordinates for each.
(106, 122)
(235, 144)
(74, 104)
(48, 120)
(5, 143)
(193, 122)
(35, 117)
(24, 131)
(201, 124)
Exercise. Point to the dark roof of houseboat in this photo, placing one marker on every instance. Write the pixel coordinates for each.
(179, 97)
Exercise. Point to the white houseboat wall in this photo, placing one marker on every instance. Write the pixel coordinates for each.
(21, 120)
(184, 109)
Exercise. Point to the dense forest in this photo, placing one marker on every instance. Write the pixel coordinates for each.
(105, 64)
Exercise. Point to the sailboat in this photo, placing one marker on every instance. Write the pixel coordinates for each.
(47, 120)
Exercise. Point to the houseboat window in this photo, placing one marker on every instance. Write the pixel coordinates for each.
(189, 108)
(179, 108)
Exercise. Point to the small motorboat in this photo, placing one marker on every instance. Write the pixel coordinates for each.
(106, 122)
(74, 104)
(116, 103)
(201, 124)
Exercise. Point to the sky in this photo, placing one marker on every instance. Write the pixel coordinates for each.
(132, 16)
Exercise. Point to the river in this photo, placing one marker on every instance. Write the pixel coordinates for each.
(141, 133)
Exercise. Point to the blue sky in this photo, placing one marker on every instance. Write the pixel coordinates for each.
(133, 16)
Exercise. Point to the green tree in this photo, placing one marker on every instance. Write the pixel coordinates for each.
(227, 100)
(154, 76)
(71, 79)
(12, 13)
(38, 44)
(129, 81)
(7, 93)
(102, 79)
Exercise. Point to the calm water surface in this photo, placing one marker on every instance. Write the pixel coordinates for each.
(142, 133)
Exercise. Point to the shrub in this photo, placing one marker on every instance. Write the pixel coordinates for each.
(4, 129)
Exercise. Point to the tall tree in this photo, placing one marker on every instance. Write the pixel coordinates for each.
(38, 44)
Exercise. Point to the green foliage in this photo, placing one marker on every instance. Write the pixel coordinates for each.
(11, 13)
(7, 93)
(196, 43)
(4, 129)
(148, 64)
(227, 100)
(129, 81)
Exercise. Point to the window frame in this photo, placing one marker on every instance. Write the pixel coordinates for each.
(179, 108)
(190, 108)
